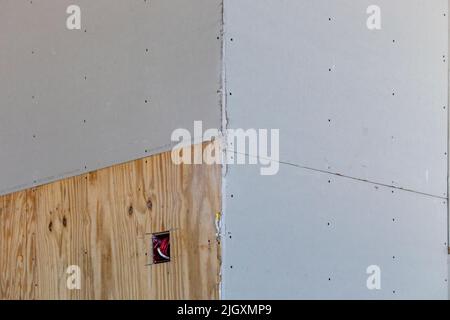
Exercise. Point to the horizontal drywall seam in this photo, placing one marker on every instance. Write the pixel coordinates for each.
(341, 175)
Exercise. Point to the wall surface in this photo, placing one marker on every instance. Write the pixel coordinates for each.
(363, 144)
(102, 223)
(363, 118)
(72, 101)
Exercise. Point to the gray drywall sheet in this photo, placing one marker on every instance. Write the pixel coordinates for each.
(303, 234)
(363, 141)
(365, 103)
(72, 101)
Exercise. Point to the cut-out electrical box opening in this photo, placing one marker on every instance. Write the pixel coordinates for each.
(161, 247)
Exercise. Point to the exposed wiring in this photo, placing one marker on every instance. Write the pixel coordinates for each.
(162, 254)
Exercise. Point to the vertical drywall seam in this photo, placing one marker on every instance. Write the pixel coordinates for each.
(448, 152)
(224, 142)
(448, 138)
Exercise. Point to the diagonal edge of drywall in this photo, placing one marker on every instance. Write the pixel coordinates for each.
(74, 101)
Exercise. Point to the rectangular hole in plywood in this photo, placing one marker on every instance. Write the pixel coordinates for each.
(161, 247)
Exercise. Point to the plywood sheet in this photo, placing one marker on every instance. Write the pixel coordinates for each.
(101, 222)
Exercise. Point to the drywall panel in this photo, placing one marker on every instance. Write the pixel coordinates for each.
(308, 235)
(448, 220)
(370, 104)
(102, 221)
(363, 140)
(73, 101)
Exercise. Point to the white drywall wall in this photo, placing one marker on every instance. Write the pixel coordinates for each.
(73, 101)
(363, 144)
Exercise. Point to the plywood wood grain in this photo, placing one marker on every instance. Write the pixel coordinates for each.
(102, 222)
